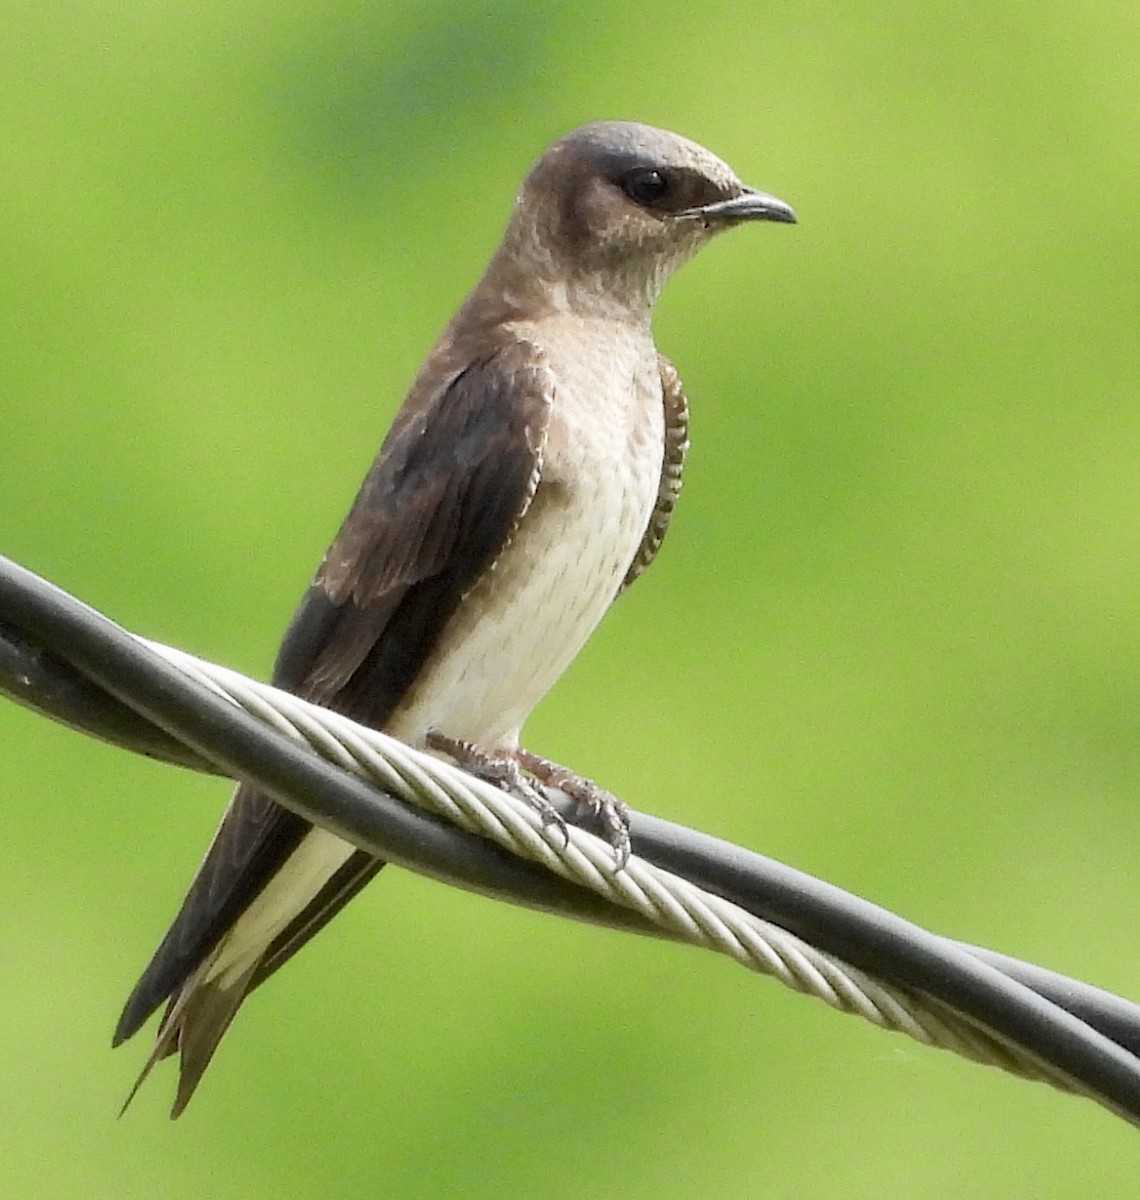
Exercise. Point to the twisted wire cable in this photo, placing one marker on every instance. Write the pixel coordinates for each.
(675, 904)
(67, 661)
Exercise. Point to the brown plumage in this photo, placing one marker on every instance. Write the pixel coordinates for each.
(528, 478)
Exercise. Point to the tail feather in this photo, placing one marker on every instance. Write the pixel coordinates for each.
(192, 1026)
(165, 1044)
(208, 1013)
(204, 979)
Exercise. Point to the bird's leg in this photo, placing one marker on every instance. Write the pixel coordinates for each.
(610, 811)
(500, 769)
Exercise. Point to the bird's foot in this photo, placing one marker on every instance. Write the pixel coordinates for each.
(503, 771)
(609, 810)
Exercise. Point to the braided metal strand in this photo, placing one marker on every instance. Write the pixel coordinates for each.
(669, 901)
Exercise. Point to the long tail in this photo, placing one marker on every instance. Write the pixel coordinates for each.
(192, 1026)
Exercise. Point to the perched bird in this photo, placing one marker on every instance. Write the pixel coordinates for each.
(527, 480)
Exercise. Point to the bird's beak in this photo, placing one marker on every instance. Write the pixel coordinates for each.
(750, 205)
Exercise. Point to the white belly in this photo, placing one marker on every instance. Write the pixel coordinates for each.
(518, 629)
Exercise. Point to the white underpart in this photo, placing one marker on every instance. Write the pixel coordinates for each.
(519, 627)
(317, 858)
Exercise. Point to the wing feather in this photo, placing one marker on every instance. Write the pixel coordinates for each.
(672, 466)
(447, 489)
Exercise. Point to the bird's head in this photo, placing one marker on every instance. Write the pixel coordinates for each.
(611, 209)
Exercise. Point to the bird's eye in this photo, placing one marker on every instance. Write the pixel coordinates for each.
(645, 186)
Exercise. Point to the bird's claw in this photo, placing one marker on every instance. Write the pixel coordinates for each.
(504, 772)
(612, 813)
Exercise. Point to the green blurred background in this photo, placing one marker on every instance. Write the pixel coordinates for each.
(893, 638)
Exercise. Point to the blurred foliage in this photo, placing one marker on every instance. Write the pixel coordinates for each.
(893, 637)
